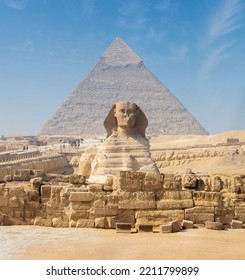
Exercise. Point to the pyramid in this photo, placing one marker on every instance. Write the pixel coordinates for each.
(120, 75)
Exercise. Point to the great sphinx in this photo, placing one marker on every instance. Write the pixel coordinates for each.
(126, 147)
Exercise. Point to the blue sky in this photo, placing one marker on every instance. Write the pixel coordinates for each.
(195, 48)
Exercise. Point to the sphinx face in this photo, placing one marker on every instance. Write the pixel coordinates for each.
(126, 114)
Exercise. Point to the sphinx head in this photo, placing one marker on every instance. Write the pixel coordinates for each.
(127, 117)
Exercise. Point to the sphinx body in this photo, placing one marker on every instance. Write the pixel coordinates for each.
(126, 147)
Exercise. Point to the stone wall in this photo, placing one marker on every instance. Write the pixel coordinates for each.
(132, 197)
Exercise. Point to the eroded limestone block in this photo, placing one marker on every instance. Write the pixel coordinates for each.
(235, 224)
(157, 218)
(81, 196)
(167, 228)
(104, 211)
(214, 225)
(39, 221)
(175, 226)
(78, 214)
(175, 200)
(202, 198)
(137, 200)
(3, 201)
(199, 215)
(36, 182)
(224, 214)
(239, 184)
(85, 223)
(152, 181)
(130, 181)
(46, 191)
(190, 181)
(95, 188)
(187, 224)
(126, 216)
(8, 178)
(240, 214)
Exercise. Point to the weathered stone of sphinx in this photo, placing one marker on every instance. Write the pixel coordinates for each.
(126, 147)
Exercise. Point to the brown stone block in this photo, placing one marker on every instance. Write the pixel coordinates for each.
(202, 198)
(39, 221)
(175, 200)
(235, 224)
(59, 223)
(198, 215)
(167, 228)
(81, 196)
(225, 215)
(95, 188)
(187, 224)
(123, 227)
(104, 211)
(77, 215)
(142, 228)
(152, 181)
(86, 205)
(240, 214)
(126, 216)
(214, 225)
(77, 179)
(13, 202)
(137, 200)
(157, 217)
(17, 191)
(22, 175)
(130, 181)
(85, 223)
(175, 226)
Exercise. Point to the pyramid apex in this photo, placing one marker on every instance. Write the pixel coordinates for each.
(119, 53)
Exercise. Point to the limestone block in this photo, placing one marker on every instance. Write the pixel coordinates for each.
(81, 196)
(126, 216)
(77, 179)
(157, 218)
(152, 181)
(109, 181)
(46, 191)
(99, 203)
(239, 184)
(39, 221)
(85, 223)
(82, 205)
(76, 215)
(39, 173)
(168, 182)
(95, 188)
(224, 214)
(111, 221)
(137, 200)
(175, 200)
(100, 222)
(3, 201)
(175, 226)
(202, 198)
(190, 181)
(56, 194)
(199, 215)
(167, 228)
(108, 188)
(235, 224)
(187, 224)
(104, 211)
(214, 225)
(123, 227)
(130, 181)
(36, 182)
(143, 228)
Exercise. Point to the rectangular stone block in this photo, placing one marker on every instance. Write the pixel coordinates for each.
(157, 218)
(137, 200)
(142, 228)
(224, 215)
(104, 211)
(82, 205)
(130, 181)
(3, 201)
(187, 224)
(199, 215)
(81, 196)
(202, 198)
(172, 182)
(175, 200)
(77, 215)
(240, 214)
(152, 181)
(123, 227)
(235, 224)
(167, 228)
(85, 223)
(126, 216)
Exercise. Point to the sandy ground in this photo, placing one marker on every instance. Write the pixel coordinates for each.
(38, 243)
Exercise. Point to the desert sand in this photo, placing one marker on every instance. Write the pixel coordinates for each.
(39, 243)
